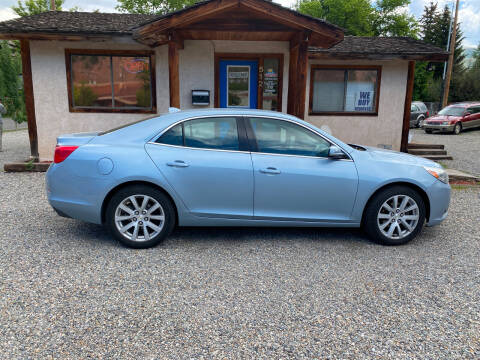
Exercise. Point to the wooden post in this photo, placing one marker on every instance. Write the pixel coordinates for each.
(29, 99)
(446, 86)
(173, 74)
(297, 76)
(292, 79)
(408, 105)
(52, 5)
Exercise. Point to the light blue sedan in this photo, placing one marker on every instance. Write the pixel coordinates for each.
(236, 167)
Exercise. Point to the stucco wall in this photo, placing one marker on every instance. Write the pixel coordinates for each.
(384, 129)
(51, 97)
(197, 64)
(197, 72)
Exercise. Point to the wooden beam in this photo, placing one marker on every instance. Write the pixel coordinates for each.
(29, 99)
(297, 76)
(377, 56)
(408, 104)
(173, 74)
(55, 36)
(302, 64)
(292, 79)
(183, 18)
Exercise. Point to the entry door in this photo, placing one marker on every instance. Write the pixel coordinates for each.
(238, 84)
(294, 178)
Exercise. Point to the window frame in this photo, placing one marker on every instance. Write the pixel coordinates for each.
(105, 52)
(345, 68)
(254, 146)
(243, 145)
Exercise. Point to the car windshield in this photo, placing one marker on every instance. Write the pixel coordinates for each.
(452, 110)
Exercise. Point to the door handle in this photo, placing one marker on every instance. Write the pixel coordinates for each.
(178, 163)
(270, 170)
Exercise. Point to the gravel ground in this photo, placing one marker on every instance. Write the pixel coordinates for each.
(67, 290)
(464, 148)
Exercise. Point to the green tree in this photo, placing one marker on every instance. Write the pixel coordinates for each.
(362, 18)
(392, 20)
(355, 16)
(33, 7)
(11, 93)
(152, 6)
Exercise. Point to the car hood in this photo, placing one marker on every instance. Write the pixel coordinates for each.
(440, 118)
(398, 157)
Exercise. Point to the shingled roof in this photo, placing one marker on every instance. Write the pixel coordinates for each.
(66, 22)
(381, 47)
(92, 24)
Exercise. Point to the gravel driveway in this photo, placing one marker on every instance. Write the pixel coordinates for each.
(465, 148)
(68, 291)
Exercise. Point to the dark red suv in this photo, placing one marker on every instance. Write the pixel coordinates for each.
(454, 118)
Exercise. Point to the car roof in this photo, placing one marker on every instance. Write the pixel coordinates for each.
(149, 128)
(466, 104)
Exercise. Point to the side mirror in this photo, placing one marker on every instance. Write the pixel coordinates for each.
(336, 153)
(467, 114)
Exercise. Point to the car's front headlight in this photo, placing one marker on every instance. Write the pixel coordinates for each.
(438, 173)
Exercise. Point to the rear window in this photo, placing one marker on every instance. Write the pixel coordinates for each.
(452, 111)
(124, 126)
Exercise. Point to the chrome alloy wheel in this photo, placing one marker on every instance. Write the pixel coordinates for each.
(398, 217)
(139, 218)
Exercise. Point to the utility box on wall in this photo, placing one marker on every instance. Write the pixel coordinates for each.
(201, 97)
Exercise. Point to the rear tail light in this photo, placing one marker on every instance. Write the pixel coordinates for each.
(428, 113)
(62, 152)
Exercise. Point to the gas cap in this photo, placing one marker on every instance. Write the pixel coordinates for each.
(105, 166)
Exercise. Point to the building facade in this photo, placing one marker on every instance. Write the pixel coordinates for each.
(88, 72)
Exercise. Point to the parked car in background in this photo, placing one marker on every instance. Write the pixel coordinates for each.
(418, 113)
(454, 118)
(238, 167)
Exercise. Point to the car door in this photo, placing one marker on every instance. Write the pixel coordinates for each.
(294, 178)
(205, 162)
(468, 120)
(414, 111)
(476, 116)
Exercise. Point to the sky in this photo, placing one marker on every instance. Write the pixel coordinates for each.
(469, 14)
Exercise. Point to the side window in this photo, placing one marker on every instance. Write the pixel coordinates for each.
(414, 108)
(283, 137)
(470, 110)
(212, 133)
(173, 136)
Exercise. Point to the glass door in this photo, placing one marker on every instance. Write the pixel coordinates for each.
(238, 84)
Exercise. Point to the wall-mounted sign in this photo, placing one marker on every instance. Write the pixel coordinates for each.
(135, 66)
(238, 74)
(364, 101)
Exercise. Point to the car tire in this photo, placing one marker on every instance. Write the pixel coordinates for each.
(406, 224)
(457, 129)
(419, 122)
(140, 216)
(428, 131)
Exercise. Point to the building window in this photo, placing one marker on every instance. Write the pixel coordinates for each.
(111, 81)
(342, 90)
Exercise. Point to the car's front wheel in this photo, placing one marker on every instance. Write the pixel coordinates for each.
(140, 216)
(457, 129)
(394, 216)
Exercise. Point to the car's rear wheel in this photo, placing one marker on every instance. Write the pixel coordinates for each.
(394, 216)
(457, 129)
(419, 122)
(140, 216)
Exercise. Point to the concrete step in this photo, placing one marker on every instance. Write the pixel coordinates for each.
(427, 152)
(425, 146)
(456, 175)
(438, 157)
